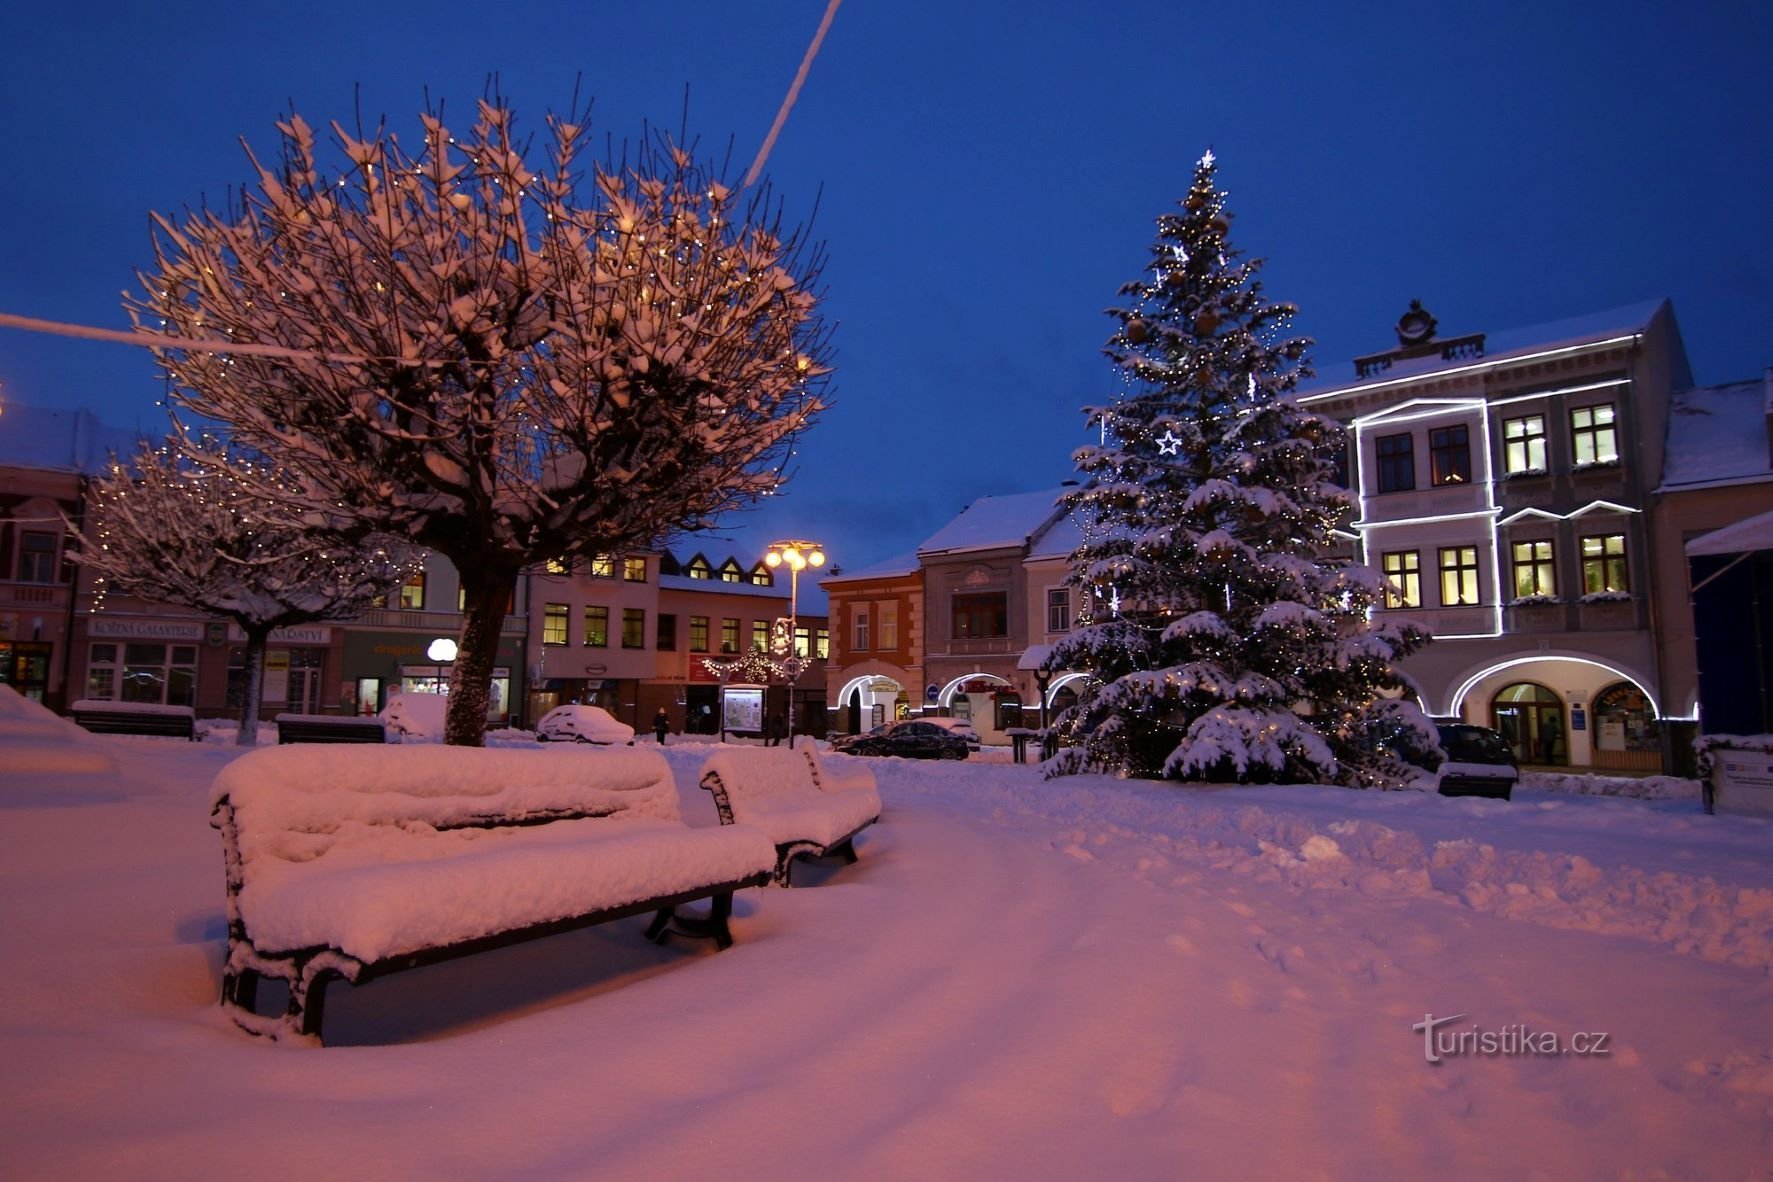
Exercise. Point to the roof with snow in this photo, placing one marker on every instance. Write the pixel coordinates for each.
(1575, 332)
(1742, 537)
(60, 440)
(1060, 539)
(991, 523)
(898, 564)
(1717, 435)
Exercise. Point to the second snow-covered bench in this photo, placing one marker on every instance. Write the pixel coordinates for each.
(361, 860)
(806, 809)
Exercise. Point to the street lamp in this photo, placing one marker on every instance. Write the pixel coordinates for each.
(796, 555)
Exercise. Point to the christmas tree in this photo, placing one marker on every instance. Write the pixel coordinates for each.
(1225, 640)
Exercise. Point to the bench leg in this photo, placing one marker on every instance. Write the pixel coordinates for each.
(713, 927)
(241, 989)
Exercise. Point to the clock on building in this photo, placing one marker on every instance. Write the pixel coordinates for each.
(1415, 326)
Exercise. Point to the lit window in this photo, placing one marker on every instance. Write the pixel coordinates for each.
(889, 626)
(603, 566)
(1449, 455)
(803, 641)
(1603, 564)
(979, 614)
(1523, 444)
(557, 566)
(412, 594)
(729, 635)
(1403, 578)
(761, 576)
(1459, 576)
(1535, 573)
(596, 627)
(730, 572)
(152, 674)
(698, 568)
(1594, 434)
(633, 627)
(634, 570)
(821, 643)
(554, 623)
(698, 634)
(760, 636)
(1397, 463)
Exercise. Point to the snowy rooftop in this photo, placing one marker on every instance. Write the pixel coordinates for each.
(1059, 540)
(898, 564)
(63, 440)
(1718, 435)
(1501, 346)
(992, 522)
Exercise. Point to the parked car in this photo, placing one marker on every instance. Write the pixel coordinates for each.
(916, 738)
(583, 724)
(1479, 762)
(959, 726)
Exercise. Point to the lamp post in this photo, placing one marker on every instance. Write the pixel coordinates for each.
(796, 555)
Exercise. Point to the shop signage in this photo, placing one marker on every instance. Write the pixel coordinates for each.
(311, 634)
(111, 627)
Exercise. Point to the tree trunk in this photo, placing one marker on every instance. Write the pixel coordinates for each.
(257, 640)
(486, 590)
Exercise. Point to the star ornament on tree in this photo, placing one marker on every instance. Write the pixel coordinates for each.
(1168, 444)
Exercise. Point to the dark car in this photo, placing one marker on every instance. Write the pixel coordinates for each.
(913, 739)
(1479, 762)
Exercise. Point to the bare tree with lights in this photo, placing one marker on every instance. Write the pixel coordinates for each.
(168, 530)
(472, 353)
(1225, 644)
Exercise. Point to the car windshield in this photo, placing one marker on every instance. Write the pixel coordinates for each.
(1475, 744)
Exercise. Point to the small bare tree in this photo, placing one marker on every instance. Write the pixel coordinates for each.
(451, 346)
(169, 530)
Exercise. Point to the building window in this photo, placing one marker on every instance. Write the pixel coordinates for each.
(1059, 609)
(761, 577)
(730, 572)
(1534, 571)
(152, 674)
(1603, 564)
(729, 635)
(1459, 576)
(1523, 444)
(36, 557)
(889, 626)
(1449, 455)
(634, 570)
(1403, 578)
(1397, 463)
(979, 614)
(557, 566)
(554, 623)
(862, 639)
(1594, 435)
(698, 568)
(803, 641)
(821, 643)
(462, 600)
(634, 627)
(412, 593)
(596, 627)
(698, 634)
(760, 636)
(603, 566)
(667, 641)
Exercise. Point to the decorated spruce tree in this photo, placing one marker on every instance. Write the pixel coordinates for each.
(1225, 641)
(167, 530)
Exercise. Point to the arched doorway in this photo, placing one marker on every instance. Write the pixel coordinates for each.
(1625, 731)
(869, 700)
(1531, 719)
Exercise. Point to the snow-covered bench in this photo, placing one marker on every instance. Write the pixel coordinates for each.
(806, 808)
(362, 860)
(104, 717)
(330, 728)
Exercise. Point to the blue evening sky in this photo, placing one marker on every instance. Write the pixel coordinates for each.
(987, 173)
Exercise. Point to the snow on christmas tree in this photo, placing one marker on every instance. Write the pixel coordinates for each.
(1225, 642)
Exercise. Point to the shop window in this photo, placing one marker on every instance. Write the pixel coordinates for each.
(554, 623)
(1397, 462)
(1623, 721)
(1594, 434)
(1403, 578)
(1449, 455)
(154, 674)
(1603, 564)
(633, 627)
(1523, 444)
(1459, 576)
(1535, 572)
(698, 634)
(596, 627)
(976, 615)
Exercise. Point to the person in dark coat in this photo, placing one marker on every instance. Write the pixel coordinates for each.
(661, 724)
(776, 731)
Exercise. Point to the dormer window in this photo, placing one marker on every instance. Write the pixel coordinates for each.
(731, 572)
(761, 576)
(698, 568)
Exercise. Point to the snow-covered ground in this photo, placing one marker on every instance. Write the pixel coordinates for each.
(1020, 978)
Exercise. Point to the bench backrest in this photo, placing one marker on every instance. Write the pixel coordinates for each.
(770, 773)
(298, 803)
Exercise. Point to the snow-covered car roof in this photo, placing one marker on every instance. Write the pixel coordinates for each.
(589, 724)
